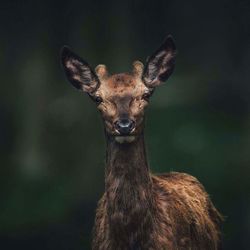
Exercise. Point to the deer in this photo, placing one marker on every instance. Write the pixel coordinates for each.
(140, 210)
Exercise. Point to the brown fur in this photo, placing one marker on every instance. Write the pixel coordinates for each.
(141, 211)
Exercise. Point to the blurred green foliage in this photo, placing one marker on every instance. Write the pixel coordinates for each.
(51, 136)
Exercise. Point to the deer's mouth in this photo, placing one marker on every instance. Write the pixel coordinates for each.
(125, 139)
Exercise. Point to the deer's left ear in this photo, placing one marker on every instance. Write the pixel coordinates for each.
(78, 72)
(161, 64)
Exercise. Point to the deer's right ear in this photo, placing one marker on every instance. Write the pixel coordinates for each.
(161, 64)
(78, 72)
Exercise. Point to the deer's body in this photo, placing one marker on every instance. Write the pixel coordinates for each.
(141, 211)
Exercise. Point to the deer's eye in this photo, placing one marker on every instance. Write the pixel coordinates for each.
(146, 95)
(98, 100)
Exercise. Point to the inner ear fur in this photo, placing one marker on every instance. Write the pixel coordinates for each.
(78, 71)
(160, 65)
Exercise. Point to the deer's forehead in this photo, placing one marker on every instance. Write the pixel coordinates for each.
(121, 85)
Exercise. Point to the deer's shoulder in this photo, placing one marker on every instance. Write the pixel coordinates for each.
(180, 182)
(185, 200)
(181, 190)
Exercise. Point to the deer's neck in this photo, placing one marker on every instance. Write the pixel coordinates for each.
(128, 188)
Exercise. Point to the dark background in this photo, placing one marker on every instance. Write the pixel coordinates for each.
(51, 136)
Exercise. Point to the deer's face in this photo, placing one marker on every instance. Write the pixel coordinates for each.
(121, 98)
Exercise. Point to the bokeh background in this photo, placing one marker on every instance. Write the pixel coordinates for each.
(51, 136)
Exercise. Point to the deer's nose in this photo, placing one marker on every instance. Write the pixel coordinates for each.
(124, 126)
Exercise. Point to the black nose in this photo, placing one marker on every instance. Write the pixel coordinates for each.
(124, 126)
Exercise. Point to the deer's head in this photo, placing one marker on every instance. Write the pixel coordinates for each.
(121, 98)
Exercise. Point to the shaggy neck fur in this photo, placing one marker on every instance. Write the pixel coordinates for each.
(129, 192)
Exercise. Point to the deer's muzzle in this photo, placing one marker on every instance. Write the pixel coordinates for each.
(124, 126)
